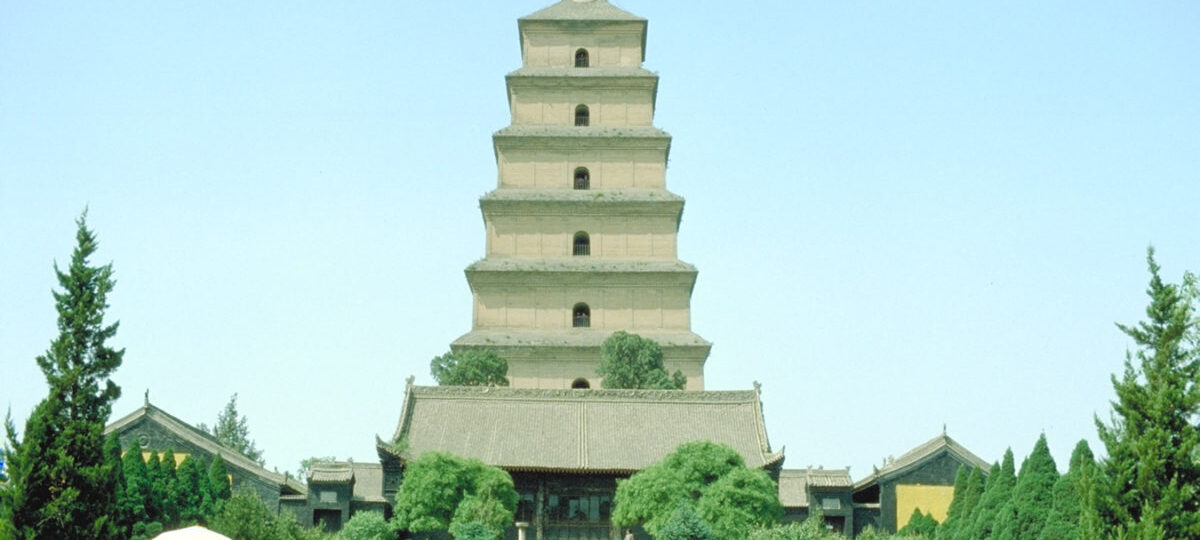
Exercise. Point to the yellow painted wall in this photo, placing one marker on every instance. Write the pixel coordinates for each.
(933, 500)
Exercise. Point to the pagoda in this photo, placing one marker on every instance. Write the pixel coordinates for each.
(581, 229)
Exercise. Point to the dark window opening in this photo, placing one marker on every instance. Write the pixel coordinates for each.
(581, 316)
(581, 115)
(583, 179)
(330, 520)
(583, 244)
(581, 58)
(581, 384)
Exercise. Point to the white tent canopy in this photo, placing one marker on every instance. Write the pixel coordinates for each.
(195, 532)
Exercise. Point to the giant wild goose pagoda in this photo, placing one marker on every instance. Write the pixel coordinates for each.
(581, 243)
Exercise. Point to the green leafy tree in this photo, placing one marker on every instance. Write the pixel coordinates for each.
(440, 491)
(1033, 496)
(470, 368)
(631, 361)
(686, 524)
(996, 493)
(62, 484)
(245, 517)
(710, 477)
(368, 525)
(920, 525)
(1152, 440)
(233, 432)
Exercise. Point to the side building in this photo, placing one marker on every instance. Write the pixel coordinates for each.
(151, 429)
(921, 478)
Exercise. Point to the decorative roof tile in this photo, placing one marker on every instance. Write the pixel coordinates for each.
(617, 431)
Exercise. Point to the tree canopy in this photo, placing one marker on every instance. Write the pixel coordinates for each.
(631, 361)
(470, 367)
(62, 482)
(709, 477)
(232, 431)
(441, 491)
(1152, 440)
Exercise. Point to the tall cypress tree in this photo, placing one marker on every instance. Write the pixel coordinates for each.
(998, 492)
(1074, 500)
(1032, 498)
(62, 483)
(1152, 441)
(954, 513)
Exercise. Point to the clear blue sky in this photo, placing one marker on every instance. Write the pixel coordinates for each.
(905, 214)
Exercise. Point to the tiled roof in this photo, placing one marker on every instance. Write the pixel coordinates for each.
(331, 473)
(625, 132)
(574, 337)
(580, 264)
(368, 482)
(923, 452)
(794, 483)
(200, 439)
(617, 431)
(579, 195)
(581, 10)
(574, 72)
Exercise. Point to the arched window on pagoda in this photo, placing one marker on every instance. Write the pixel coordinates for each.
(583, 179)
(581, 316)
(582, 244)
(581, 115)
(581, 58)
(580, 384)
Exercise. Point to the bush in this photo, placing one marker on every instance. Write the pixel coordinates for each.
(686, 524)
(368, 525)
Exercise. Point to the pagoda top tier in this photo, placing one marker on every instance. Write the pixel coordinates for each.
(607, 35)
(582, 10)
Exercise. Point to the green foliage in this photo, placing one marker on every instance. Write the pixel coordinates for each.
(470, 368)
(245, 517)
(920, 525)
(1073, 514)
(740, 501)
(710, 477)
(368, 525)
(191, 489)
(812, 528)
(440, 491)
(136, 489)
(1024, 516)
(62, 483)
(686, 524)
(996, 493)
(1153, 440)
(471, 530)
(218, 484)
(631, 361)
(232, 431)
(959, 515)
